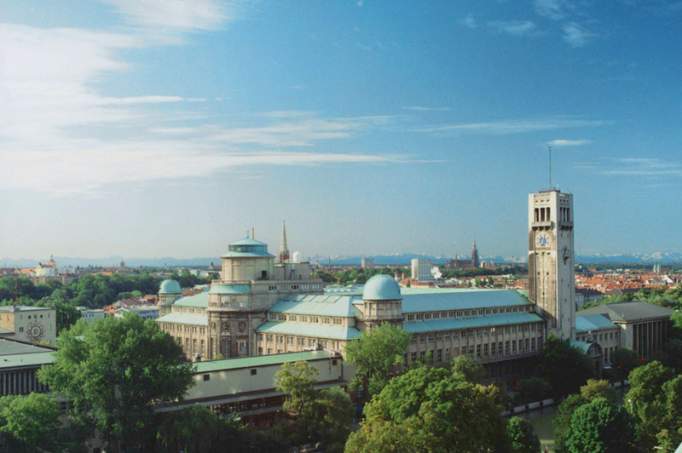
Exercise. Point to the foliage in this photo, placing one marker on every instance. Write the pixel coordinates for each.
(562, 419)
(599, 426)
(375, 355)
(533, 389)
(564, 367)
(322, 416)
(623, 361)
(113, 371)
(468, 369)
(671, 354)
(522, 438)
(432, 409)
(646, 402)
(666, 297)
(30, 421)
(598, 388)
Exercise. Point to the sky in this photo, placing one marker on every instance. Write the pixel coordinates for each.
(155, 128)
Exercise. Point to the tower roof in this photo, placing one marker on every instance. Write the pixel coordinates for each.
(247, 248)
(381, 287)
(170, 287)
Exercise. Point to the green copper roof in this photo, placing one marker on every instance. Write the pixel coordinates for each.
(582, 346)
(459, 299)
(629, 311)
(170, 287)
(587, 323)
(304, 329)
(197, 301)
(434, 325)
(230, 289)
(196, 319)
(318, 304)
(264, 360)
(247, 248)
(381, 287)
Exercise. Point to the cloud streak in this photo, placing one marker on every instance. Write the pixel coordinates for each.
(519, 126)
(563, 142)
(175, 15)
(514, 27)
(576, 35)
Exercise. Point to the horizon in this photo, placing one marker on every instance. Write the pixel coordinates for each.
(167, 132)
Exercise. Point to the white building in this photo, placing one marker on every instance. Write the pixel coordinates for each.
(91, 314)
(420, 270)
(31, 324)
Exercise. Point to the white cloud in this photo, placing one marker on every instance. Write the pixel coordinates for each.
(469, 21)
(60, 135)
(424, 108)
(180, 15)
(576, 35)
(561, 142)
(514, 27)
(505, 127)
(553, 9)
(644, 166)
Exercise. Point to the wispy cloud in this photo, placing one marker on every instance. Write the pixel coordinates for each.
(561, 142)
(469, 21)
(644, 166)
(514, 27)
(177, 15)
(424, 108)
(552, 9)
(504, 127)
(60, 135)
(576, 35)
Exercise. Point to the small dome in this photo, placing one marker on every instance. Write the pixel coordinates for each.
(170, 287)
(381, 287)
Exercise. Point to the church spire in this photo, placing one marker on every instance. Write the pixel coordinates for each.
(284, 248)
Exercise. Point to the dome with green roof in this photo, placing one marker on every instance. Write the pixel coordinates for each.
(381, 287)
(169, 286)
(247, 248)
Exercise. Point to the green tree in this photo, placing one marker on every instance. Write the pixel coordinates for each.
(323, 416)
(533, 389)
(562, 419)
(432, 409)
(376, 355)
(598, 388)
(564, 367)
(468, 369)
(113, 372)
(599, 427)
(623, 361)
(646, 400)
(522, 437)
(31, 422)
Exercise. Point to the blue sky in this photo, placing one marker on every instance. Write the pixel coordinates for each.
(152, 128)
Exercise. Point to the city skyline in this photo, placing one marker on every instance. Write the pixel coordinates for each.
(160, 131)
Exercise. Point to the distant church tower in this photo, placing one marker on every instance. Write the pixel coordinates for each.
(475, 261)
(551, 277)
(283, 247)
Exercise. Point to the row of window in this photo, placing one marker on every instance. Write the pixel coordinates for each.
(291, 340)
(465, 313)
(487, 350)
(295, 286)
(182, 328)
(598, 337)
(479, 333)
(305, 318)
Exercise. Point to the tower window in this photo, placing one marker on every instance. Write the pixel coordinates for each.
(537, 214)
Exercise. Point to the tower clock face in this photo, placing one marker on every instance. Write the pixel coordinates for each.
(34, 331)
(543, 240)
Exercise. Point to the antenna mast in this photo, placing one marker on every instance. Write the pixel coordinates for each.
(549, 150)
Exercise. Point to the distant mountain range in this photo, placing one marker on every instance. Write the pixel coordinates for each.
(379, 260)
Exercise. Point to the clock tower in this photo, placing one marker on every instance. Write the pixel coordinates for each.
(551, 276)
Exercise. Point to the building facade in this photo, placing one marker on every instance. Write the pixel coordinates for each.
(31, 324)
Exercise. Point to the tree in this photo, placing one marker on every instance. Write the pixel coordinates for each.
(646, 400)
(324, 416)
(375, 355)
(522, 438)
(533, 389)
(113, 372)
(623, 361)
(599, 427)
(562, 419)
(468, 369)
(598, 388)
(564, 367)
(31, 421)
(432, 409)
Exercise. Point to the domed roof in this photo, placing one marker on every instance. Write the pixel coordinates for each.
(247, 248)
(381, 287)
(170, 287)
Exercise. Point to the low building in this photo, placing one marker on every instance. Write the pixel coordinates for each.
(644, 328)
(143, 311)
(30, 324)
(19, 363)
(91, 314)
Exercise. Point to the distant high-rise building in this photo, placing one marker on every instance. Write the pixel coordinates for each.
(421, 270)
(284, 248)
(366, 263)
(551, 277)
(475, 262)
